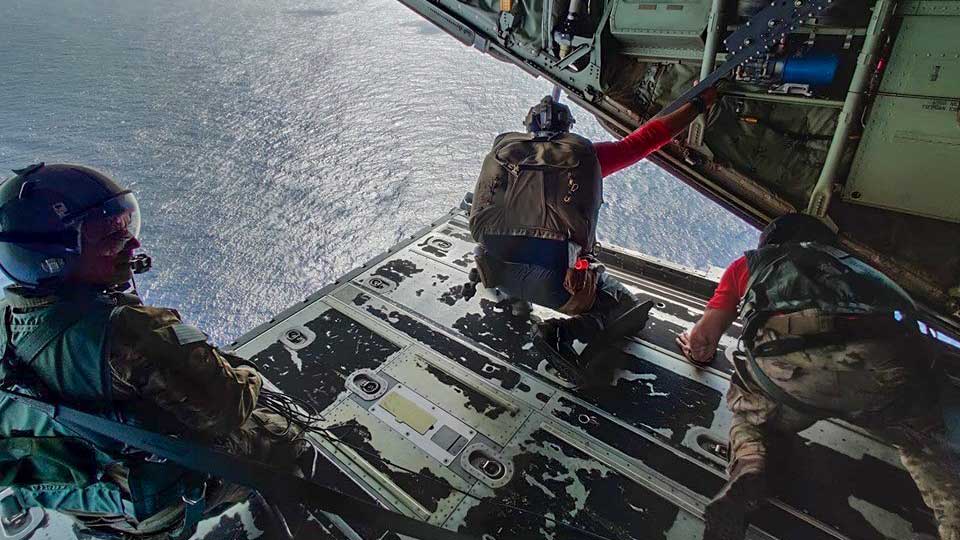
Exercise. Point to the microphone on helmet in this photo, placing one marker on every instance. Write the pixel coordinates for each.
(141, 264)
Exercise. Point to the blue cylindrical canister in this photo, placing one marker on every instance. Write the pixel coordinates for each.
(813, 70)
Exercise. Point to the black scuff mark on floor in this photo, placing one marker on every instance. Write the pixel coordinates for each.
(342, 346)
(475, 400)
(437, 247)
(441, 277)
(397, 270)
(419, 292)
(457, 233)
(656, 456)
(423, 485)
(830, 479)
(624, 508)
(544, 482)
(230, 525)
(464, 260)
(361, 299)
(227, 528)
(452, 349)
(452, 296)
(646, 394)
(502, 331)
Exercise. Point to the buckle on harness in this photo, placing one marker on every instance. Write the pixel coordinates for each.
(17, 522)
(196, 498)
(195, 504)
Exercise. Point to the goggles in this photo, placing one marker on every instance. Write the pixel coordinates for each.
(108, 227)
(110, 222)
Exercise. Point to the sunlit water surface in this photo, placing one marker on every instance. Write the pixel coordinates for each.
(276, 145)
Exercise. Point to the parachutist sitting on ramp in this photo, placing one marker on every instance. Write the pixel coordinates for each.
(534, 215)
(73, 337)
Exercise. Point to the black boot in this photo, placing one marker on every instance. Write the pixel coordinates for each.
(726, 514)
(554, 339)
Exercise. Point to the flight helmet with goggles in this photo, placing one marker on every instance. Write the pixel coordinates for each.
(45, 209)
(548, 117)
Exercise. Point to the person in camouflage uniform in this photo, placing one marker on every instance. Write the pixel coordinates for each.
(154, 367)
(822, 340)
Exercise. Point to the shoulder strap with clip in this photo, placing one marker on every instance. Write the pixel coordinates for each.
(274, 484)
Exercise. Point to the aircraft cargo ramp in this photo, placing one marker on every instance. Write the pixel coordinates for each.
(446, 412)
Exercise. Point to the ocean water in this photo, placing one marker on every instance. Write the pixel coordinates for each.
(276, 145)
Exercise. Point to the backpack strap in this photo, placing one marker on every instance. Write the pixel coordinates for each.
(774, 392)
(63, 317)
(6, 351)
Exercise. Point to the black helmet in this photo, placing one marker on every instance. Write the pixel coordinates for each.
(42, 210)
(548, 116)
(795, 228)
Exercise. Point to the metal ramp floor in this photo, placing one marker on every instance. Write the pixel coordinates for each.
(410, 375)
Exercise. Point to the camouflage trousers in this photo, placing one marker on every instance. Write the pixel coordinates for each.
(878, 389)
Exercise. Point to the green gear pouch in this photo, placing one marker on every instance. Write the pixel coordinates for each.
(58, 473)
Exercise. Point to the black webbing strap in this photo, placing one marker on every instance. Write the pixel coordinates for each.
(273, 484)
(757, 376)
(774, 392)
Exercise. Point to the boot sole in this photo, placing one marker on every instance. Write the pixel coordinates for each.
(566, 368)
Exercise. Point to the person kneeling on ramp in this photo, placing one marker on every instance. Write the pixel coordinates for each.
(534, 217)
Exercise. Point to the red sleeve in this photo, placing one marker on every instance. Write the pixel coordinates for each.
(732, 286)
(617, 155)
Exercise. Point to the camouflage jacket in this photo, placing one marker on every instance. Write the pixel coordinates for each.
(182, 386)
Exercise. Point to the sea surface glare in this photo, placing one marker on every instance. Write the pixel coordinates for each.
(276, 145)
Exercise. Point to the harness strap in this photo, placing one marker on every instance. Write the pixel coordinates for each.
(800, 323)
(773, 391)
(62, 318)
(813, 321)
(272, 483)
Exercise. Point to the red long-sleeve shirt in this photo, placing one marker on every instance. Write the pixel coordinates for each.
(732, 286)
(616, 155)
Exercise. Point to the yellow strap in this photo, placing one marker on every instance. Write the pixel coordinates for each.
(506, 5)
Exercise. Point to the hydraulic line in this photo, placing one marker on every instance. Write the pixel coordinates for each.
(849, 116)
